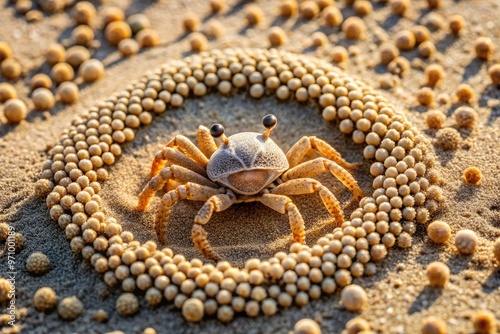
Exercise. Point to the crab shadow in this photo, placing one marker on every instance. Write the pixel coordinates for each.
(492, 283)
(473, 68)
(446, 42)
(489, 98)
(427, 297)
(465, 192)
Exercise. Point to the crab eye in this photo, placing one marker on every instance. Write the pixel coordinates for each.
(216, 130)
(269, 121)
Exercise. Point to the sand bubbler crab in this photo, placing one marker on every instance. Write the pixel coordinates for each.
(245, 167)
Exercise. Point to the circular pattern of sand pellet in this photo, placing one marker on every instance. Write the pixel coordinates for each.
(388, 217)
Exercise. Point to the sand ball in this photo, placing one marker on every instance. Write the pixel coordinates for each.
(191, 23)
(45, 299)
(399, 66)
(38, 263)
(494, 73)
(426, 49)
(84, 12)
(276, 36)
(225, 313)
(319, 39)
(435, 119)
(148, 38)
(421, 33)
(288, 8)
(40, 80)
(217, 5)
(101, 316)
(43, 99)
(62, 72)
(472, 175)
(214, 29)
(112, 14)
(7, 92)
(82, 34)
(332, 16)
(193, 310)
(5, 51)
(433, 325)
(400, 7)
(198, 42)
(438, 274)
(484, 47)
(308, 9)
(127, 304)
(23, 6)
(456, 24)
(138, 22)
(19, 241)
(466, 241)
(55, 53)
(439, 231)
(92, 70)
(52, 6)
(466, 117)
(70, 308)
(353, 297)
(128, 47)
(307, 326)
(357, 325)
(425, 96)
(4, 290)
(15, 110)
(253, 15)
(434, 73)
(34, 16)
(405, 40)
(11, 69)
(448, 139)
(496, 250)
(362, 7)
(4, 231)
(464, 93)
(484, 322)
(76, 55)
(117, 31)
(354, 28)
(68, 92)
(339, 54)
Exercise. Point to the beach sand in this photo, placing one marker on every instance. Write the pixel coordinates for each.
(399, 295)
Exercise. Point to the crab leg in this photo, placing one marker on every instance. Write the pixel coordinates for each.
(174, 172)
(314, 167)
(190, 149)
(283, 205)
(305, 144)
(190, 191)
(173, 156)
(216, 203)
(309, 186)
(206, 141)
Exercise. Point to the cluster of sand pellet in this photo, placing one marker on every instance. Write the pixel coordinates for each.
(402, 197)
(72, 61)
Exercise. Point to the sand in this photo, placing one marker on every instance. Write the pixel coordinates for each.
(399, 296)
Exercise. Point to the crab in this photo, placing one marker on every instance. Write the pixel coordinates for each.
(245, 167)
